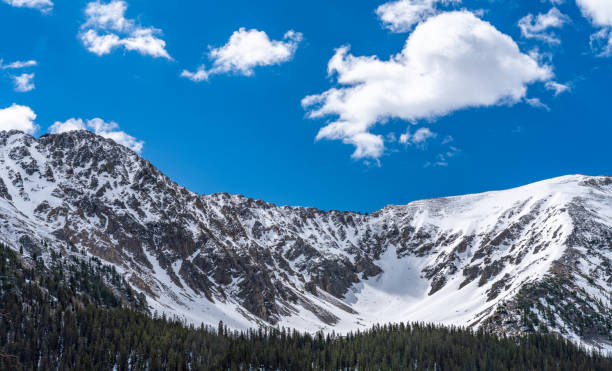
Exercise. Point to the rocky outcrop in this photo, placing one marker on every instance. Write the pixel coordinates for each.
(221, 256)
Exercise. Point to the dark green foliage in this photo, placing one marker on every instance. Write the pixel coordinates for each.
(73, 321)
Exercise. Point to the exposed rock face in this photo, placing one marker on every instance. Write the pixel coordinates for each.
(475, 260)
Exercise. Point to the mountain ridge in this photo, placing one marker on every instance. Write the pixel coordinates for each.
(510, 261)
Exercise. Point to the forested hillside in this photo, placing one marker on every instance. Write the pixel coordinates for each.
(75, 313)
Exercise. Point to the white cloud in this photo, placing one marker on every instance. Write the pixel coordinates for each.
(108, 130)
(248, 49)
(422, 135)
(106, 28)
(536, 103)
(66, 126)
(450, 62)
(42, 5)
(109, 16)
(601, 42)
(144, 41)
(419, 138)
(443, 158)
(402, 15)
(18, 65)
(24, 82)
(18, 117)
(599, 12)
(536, 27)
(245, 50)
(557, 88)
(198, 76)
(100, 44)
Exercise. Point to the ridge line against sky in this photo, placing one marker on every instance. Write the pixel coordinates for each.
(457, 59)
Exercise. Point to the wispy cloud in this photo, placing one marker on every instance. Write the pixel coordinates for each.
(557, 88)
(18, 65)
(23, 82)
(536, 103)
(538, 27)
(42, 5)
(443, 158)
(419, 138)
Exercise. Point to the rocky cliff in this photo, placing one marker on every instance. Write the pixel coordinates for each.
(534, 258)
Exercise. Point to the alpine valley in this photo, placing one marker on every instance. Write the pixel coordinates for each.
(537, 258)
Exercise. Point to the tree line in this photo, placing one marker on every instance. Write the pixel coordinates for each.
(76, 314)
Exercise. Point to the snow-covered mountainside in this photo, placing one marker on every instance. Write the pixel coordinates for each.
(534, 258)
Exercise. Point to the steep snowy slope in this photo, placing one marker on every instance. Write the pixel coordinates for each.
(534, 258)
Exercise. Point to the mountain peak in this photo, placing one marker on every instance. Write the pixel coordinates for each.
(483, 260)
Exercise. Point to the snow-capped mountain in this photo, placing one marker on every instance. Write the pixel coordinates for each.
(534, 258)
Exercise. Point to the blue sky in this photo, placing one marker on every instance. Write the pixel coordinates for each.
(433, 98)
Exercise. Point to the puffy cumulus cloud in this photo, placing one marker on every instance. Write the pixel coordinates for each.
(24, 82)
(18, 117)
(599, 12)
(109, 16)
(450, 62)
(538, 27)
(66, 126)
(402, 15)
(245, 50)
(42, 5)
(108, 130)
(100, 44)
(145, 42)
(106, 29)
